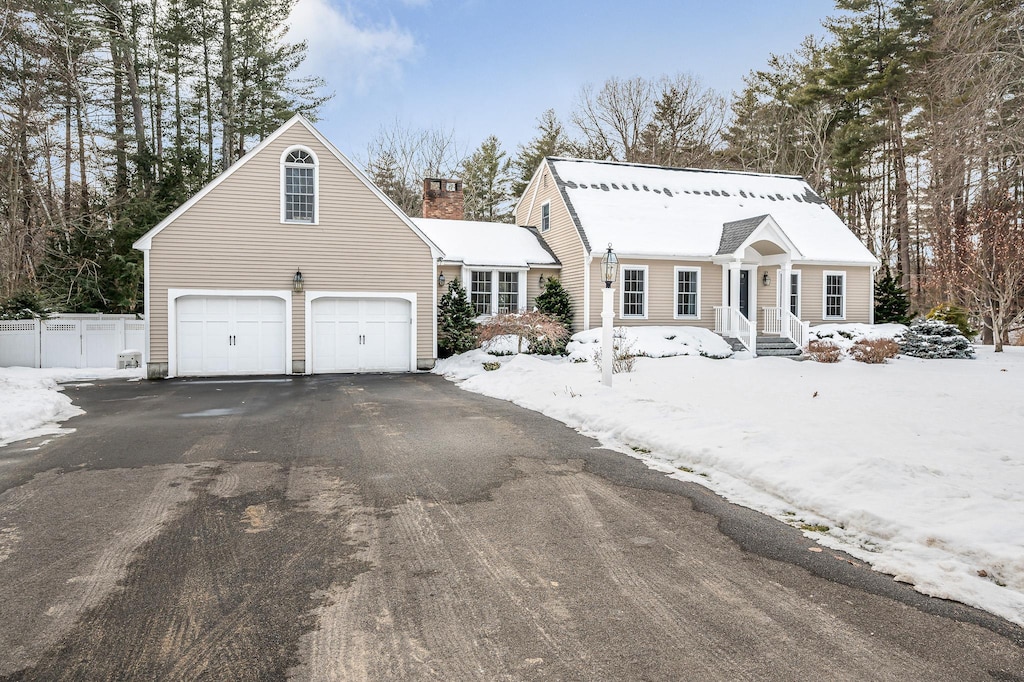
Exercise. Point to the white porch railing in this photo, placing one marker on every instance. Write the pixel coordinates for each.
(772, 318)
(784, 323)
(731, 322)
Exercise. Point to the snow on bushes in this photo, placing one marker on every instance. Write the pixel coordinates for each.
(871, 343)
(936, 339)
(824, 351)
(653, 342)
(527, 328)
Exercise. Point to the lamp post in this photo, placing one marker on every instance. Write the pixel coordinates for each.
(609, 264)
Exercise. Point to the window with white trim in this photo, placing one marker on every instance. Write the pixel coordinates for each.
(299, 187)
(835, 295)
(545, 217)
(794, 292)
(688, 292)
(480, 291)
(496, 291)
(634, 291)
(508, 292)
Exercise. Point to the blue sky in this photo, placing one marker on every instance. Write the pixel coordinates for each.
(482, 67)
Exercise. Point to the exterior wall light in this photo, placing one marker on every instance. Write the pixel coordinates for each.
(297, 282)
(765, 279)
(440, 279)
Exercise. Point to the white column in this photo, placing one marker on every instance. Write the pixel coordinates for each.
(734, 285)
(785, 275)
(607, 341)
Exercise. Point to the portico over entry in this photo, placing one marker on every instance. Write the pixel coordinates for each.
(746, 246)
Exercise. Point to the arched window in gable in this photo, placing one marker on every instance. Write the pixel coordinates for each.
(299, 186)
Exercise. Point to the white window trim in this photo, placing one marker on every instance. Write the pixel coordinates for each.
(785, 292)
(675, 299)
(467, 276)
(545, 206)
(316, 185)
(824, 294)
(622, 291)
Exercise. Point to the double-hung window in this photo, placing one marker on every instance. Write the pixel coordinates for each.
(634, 291)
(495, 291)
(794, 293)
(508, 292)
(835, 295)
(480, 291)
(545, 217)
(688, 293)
(299, 187)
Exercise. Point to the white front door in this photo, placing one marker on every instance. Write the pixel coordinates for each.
(361, 335)
(230, 335)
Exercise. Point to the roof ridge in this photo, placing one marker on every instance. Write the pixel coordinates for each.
(721, 171)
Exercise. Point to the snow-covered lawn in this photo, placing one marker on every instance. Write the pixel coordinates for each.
(916, 466)
(31, 402)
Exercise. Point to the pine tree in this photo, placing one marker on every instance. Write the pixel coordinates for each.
(554, 301)
(455, 325)
(487, 183)
(550, 141)
(891, 302)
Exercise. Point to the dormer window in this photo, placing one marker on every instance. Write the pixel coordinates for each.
(299, 185)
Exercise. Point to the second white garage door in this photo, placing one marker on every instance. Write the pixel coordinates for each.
(361, 335)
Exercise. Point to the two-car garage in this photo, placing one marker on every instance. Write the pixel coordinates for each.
(239, 333)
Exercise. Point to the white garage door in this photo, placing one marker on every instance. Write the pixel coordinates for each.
(230, 335)
(361, 335)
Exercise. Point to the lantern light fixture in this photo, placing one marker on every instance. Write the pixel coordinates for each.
(609, 264)
(297, 282)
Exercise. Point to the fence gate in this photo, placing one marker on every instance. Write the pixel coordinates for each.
(70, 341)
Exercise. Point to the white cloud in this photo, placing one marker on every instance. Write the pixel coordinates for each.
(346, 55)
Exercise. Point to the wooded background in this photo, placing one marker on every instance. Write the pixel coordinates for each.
(906, 117)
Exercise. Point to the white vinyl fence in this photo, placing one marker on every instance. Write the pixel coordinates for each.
(70, 340)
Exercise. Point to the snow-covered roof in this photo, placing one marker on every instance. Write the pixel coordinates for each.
(652, 210)
(486, 244)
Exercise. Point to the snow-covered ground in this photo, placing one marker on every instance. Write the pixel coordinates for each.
(915, 466)
(31, 401)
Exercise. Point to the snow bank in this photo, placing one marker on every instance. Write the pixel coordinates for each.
(653, 342)
(31, 403)
(845, 335)
(914, 466)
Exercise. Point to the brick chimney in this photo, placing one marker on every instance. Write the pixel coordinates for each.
(442, 198)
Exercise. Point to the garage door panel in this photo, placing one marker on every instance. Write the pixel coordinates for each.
(361, 335)
(230, 335)
(335, 345)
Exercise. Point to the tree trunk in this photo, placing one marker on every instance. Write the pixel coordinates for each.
(227, 102)
(902, 194)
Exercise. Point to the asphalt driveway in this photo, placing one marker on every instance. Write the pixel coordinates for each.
(395, 527)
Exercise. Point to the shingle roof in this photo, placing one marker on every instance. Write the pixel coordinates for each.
(736, 232)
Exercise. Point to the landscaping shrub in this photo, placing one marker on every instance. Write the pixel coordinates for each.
(554, 301)
(456, 330)
(953, 314)
(874, 351)
(624, 358)
(935, 339)
(891, 302)
(823, 351)
(532, 326)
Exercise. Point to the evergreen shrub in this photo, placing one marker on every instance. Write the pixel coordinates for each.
(935, 339)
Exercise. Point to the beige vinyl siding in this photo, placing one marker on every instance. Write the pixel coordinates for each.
(233, 238)
(858, 292)
(767, 296)
(661, 293)
(563, 238)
